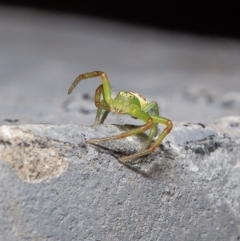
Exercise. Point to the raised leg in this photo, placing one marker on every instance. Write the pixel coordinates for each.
(168, 128)
(105, 81)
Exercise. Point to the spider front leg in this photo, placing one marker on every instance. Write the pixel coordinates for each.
(104, 89)
(105, 81)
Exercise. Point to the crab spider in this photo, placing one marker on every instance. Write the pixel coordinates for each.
(129, 103)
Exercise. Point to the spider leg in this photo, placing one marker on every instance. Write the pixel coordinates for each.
(104, 116)
(100, 104)
(105, 81)
(168, 128)
(138, 114)
(152, 105)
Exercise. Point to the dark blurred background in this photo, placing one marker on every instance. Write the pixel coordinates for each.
(184, 55)
(207, 18)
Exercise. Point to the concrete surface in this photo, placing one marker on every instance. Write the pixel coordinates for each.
(188, 189)
(55, 187)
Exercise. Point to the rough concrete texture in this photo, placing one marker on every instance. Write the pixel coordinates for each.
(56, 187)
(188, 189)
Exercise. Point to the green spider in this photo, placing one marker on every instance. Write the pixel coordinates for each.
(129, 103)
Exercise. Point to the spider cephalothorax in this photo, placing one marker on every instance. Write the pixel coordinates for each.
(129, 103)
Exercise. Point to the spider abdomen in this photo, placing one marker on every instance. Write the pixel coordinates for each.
(123, 102)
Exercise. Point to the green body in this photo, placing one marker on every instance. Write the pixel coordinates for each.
(129, 103)
(124, 103)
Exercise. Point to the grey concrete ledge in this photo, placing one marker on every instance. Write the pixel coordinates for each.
(188, 189)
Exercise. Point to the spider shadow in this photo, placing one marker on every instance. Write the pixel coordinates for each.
(128, 127)
(155, 168)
